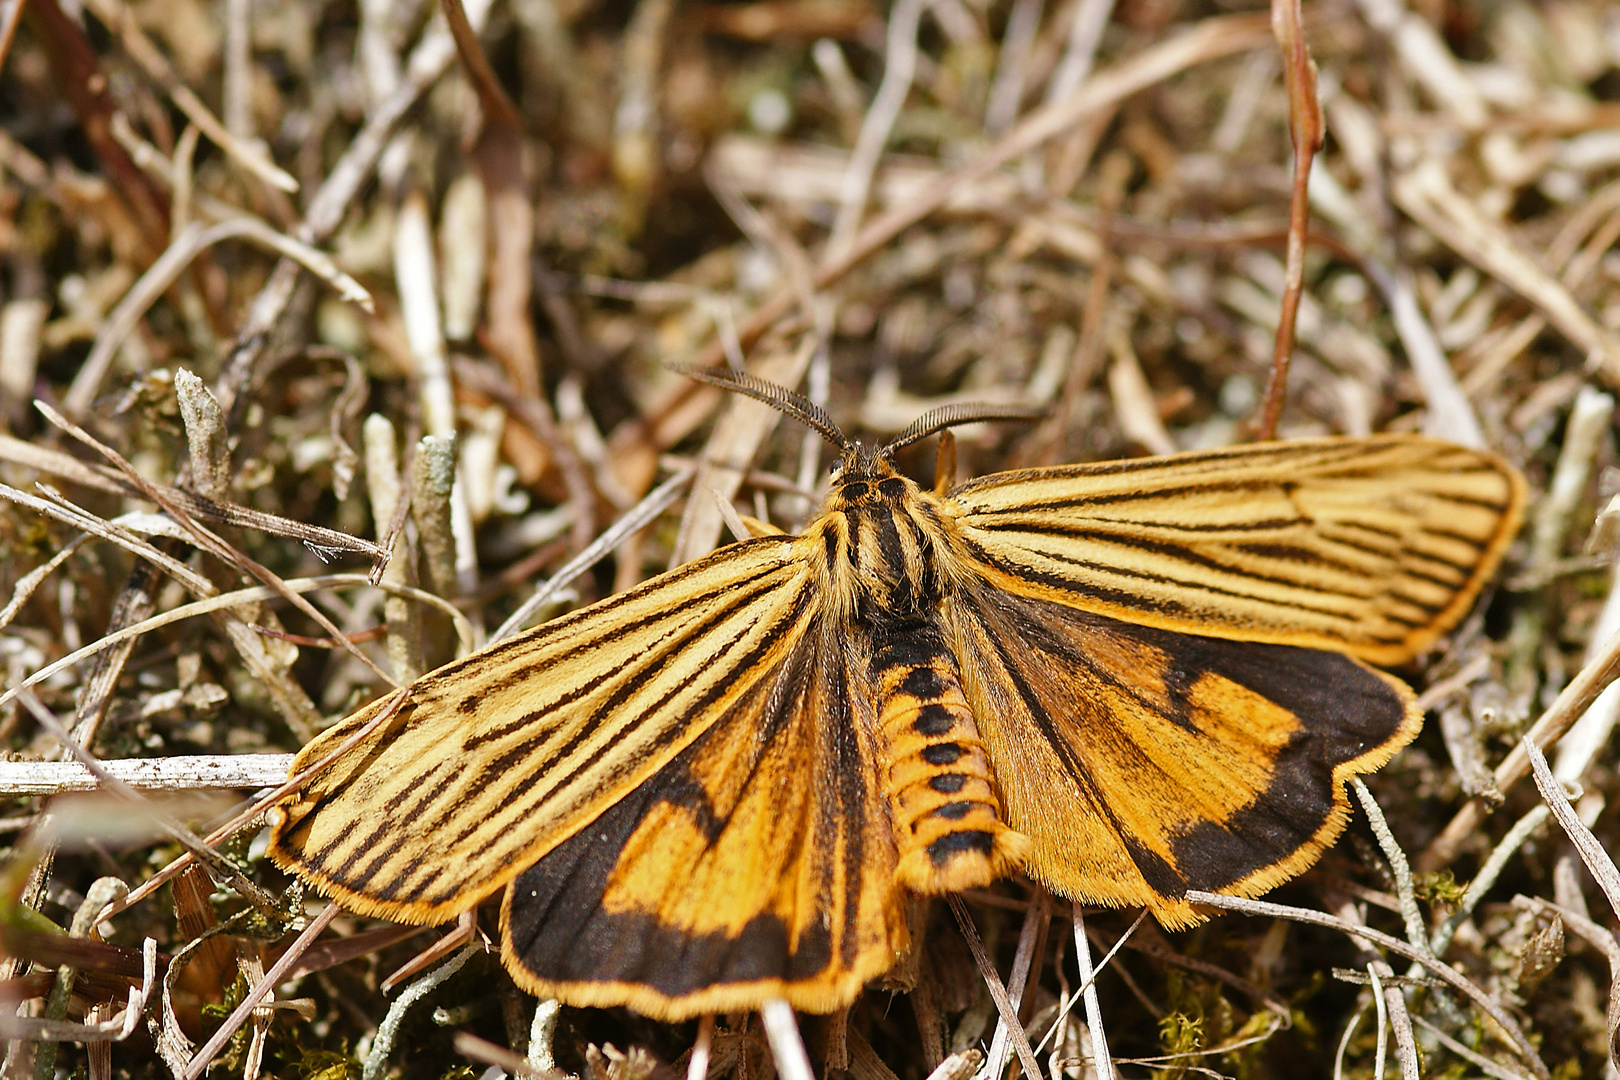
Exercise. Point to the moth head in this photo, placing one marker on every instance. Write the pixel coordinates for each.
(859, 461)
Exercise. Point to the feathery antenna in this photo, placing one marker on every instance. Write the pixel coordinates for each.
(783, 400)
(809, 413)
(949, 416)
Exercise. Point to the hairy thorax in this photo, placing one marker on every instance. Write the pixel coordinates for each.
(887, 544)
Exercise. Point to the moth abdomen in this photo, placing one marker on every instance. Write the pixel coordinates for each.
(941, 791)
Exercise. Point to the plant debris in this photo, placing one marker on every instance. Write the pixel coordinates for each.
(297, 285)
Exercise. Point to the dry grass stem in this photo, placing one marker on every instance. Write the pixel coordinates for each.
(1006, 1010)
(118, 18)
(115, 1028)
(1571, 704)
(231, 772)
(1417, 932)
(656, 502)
(1592, 853)
(1030, 937)
(1101, 1061)
(205, 1055)
(1450, 975)
(1306, 132)
(787, 1047)
(1479, 1061)
(195, 845)
(382, 1044)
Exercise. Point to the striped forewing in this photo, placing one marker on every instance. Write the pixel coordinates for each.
(1372, 546)
(492, 761)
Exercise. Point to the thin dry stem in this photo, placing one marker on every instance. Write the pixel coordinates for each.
(1005, 1009)
(1306, 131)
(1570, 705)
(204, 1057)
(1262, 908)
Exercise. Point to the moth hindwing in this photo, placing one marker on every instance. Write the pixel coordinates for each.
(1125, 680)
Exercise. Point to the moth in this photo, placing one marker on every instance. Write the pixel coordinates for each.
(1124, 680)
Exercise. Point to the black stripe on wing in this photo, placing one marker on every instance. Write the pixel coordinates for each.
(566, 925)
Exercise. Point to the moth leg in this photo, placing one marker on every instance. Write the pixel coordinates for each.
(947, 819)
(945, 463)
(757, 528)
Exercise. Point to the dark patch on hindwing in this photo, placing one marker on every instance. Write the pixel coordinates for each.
(560, 932)
(1345, 710)
(567, 921)
(1342, 711)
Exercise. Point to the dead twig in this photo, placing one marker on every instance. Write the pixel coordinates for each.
(1306, 132)
(1450, 975)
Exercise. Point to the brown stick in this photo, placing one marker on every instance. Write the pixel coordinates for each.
(1306, 132)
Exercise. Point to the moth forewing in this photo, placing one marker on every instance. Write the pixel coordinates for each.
(1369, 546)
(496, 758)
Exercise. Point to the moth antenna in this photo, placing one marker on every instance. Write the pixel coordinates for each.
(779, 398)
(949, 416)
